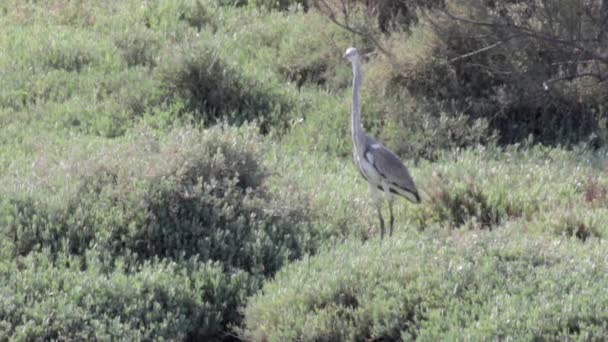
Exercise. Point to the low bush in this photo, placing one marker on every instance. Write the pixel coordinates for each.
(85, 104)
(74, 80)
(36, 57)
(486, 187)
(173, 16)
(141, 199)
(435, 287)
(80, 298)
(214, 89)
(138, 46)
(322, 124)
(417, 128)
(336, 196)
(191, 194)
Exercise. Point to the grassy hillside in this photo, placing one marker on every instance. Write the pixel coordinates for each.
(180, 170)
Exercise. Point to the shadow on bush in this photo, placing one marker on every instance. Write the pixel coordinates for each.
(522, 85)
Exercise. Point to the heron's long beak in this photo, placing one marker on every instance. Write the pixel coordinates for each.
(344, 57)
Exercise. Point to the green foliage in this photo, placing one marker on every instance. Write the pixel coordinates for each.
(315, 58)
(138, 46)
(174, 15)
(62, 77)
(322, 125)
(423, 129)
(190, 194)
(437, 287)
(42, 300)
(336, 197)
(212, 88)
(484, 188)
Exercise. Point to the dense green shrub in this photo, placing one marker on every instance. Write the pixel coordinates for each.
(37, 55)
(323, 124)
(490, 285)
(83, 103)
(139, 199)
(483, 188)
(193, 193)
(212, 88)
(173, 16)
(163, 300)
(336, 196)
(419, 128)
(61, 77)
(138, 46)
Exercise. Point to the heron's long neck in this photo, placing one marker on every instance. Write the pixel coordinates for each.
(356, 113)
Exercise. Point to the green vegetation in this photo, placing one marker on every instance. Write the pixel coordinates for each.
(180, 170)
(438, 287)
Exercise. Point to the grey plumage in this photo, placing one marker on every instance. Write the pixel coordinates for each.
(377, 164)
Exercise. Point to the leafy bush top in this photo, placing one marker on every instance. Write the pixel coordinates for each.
(190, 193)
(437, 287)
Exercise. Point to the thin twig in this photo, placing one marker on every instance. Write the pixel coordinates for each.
(532, 34)
(486, 48)
(600, 78)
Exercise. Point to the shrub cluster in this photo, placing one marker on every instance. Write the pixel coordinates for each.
(190, 194)
(82, 298)
(435, 287)
(483, 188)
(212, 88)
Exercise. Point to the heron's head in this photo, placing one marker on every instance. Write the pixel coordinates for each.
(351, 54)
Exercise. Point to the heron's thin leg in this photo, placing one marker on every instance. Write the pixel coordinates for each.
(389, 199)
(378, 204)
(390, 208)
(381, 222)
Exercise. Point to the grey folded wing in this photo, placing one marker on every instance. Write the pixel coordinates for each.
(388, 165)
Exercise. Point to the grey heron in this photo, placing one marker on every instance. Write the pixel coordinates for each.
(377, 164)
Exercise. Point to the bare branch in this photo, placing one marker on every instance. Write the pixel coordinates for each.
(486, 48)
(524, 31)
(599, 77)
(346, 25)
